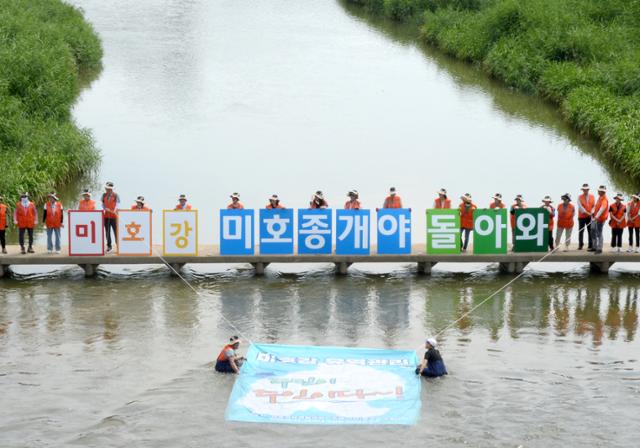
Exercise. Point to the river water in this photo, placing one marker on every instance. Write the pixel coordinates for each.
(208, 97)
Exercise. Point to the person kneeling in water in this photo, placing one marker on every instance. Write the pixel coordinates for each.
(228, 361)
(432, 365)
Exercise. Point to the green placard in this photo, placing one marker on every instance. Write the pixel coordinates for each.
(443, 231)
(532, 230)
(490, 231)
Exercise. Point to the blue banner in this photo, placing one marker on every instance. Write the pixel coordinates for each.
(352, 232)
(315, 231)
(236, 232)
(394, 231)
(276, 231)
(326, 386)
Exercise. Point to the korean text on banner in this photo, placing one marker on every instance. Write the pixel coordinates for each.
(394, 231)
(490, 231)
(326, 386)
(237, 232)
(353, 234)
(315, 228)
(532, 230)
(276, 231)
(86, 235)
(134, 232)
(180, 232)
(443, 231)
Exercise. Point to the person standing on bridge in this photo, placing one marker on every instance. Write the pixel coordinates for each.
(432, 366)
(633, 221)
(600, 215)
(274, 203)
(235, 202)
(182, 203)
(318, 201)
(53, 219)
(25, 217)
(442, 201)
(518, 204)
(393, 200)
(566, 213)
(140, 204)
(86, 203)
(228, 361)
(4, 224)
(586, 204)
(466, 209)
(353, 203)
(546, 204)
(110, 203)
(617, 221)
(497, 201)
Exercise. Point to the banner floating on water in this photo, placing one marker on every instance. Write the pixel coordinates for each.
(326, 386)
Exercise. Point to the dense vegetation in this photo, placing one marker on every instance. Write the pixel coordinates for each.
(583, 55)
(45, 48)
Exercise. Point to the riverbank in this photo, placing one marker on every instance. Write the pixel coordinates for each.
(47, 52)
(583, 55)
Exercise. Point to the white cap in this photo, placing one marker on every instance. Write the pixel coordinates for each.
(432, 342)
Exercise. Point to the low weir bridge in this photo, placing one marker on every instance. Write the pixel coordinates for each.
(512, 263)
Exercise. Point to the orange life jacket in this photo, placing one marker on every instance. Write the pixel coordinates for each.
(437, 204)
(110, 201)
(352, 205)
(602, 205)
(54, 218)
(3, 216)
(235, 206)
(618, 211)
(634, 214)
(271, 207)
(493, 205)
(515, 207)
(392, 202)
(180, 207)
(25, 216)
(466, 215)
(552, 214)
(144, 208)
(87, 204)
(587, 203)
(565, 215)
(223, 356)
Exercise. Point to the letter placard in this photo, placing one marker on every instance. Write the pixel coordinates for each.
(237, 232)
(86, 234)
(443, 231)
(134, 232)
(353, 232)
(532, 230)
(180, 232)
(490, 231)
(276, 231)
(394, 231)
(315, 231)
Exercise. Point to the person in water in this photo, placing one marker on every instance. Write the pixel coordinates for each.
(432, 365)
(228, 361)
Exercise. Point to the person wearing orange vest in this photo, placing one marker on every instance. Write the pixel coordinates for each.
(466, 209)
(633, 221)
(497, 201)
(586, 204)
(353, 203)
(318, 201)
(235, 202)
(182, 203)
(393, 200)
(442, 201)
(274, 203)
(53, 219)
(110, 202)
(26, 218)
(546, 204)
(566, 214)
(617, 221)
(600, 215)
(228, 361)
(140, 205)
(4, 223)
(86, 203)
(519, 204)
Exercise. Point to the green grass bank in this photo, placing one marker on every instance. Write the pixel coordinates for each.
(46, 50)
(583, 55)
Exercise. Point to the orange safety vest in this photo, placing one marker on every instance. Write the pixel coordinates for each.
(352, 205)
(437, 204)
(54, 218)
(587, 203)
(180, 207)
(466, 215)
(618, 211)
(3, 216)
(144, 208)
(26, 217)
(271, 207)
(87, 204)
(235, 206)
(110, 201)
(565, 215)
(552, 215)
(223, 356)
(392, 202)
(634, 214)
(602, 205)
(493, 205)
(515, 207)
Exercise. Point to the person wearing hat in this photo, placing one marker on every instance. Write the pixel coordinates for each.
(566, 214)
(274, 203)
(633, 221)
(353, 203)
(617, 221)
(140, 204)
(53, 219)
(466, 209)
(25, 217)
(318, 201)
(110, 203)
(4, 223)
(393, 200)
(86, 203)
(182, 203)
(432, 365)
(497, 201)
(228, 361)
(235, 202)
(586, 204)
(442, 201)
(518, 204)
(546, 204)
(600, 215)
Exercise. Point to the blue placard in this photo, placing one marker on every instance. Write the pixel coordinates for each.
(236, 232)
(315, 228)
(326, 386)
(276, 231)
(394, 231)
(353, 232)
